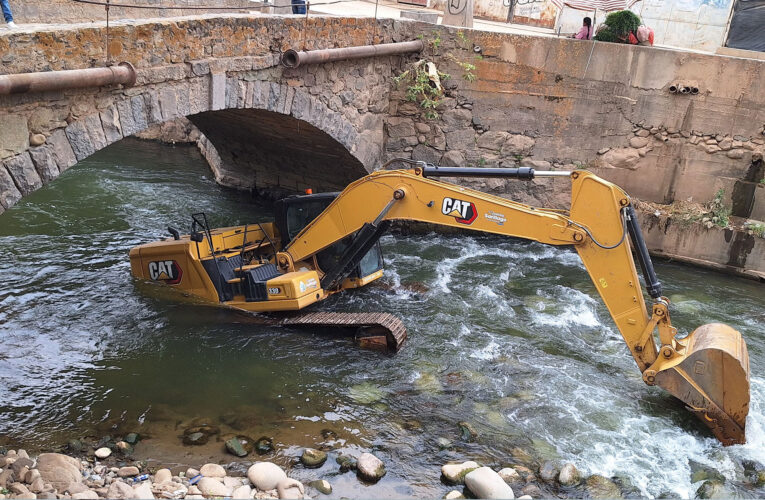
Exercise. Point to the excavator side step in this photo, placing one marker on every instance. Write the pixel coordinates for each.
(374, 324)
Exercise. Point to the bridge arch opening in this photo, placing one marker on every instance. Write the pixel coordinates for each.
(274, 154)
(272, 146)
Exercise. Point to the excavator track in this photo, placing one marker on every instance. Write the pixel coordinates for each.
(368, 325)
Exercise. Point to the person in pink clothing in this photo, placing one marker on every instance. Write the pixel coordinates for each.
(585, 32)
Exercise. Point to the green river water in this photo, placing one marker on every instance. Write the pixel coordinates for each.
(507, 335)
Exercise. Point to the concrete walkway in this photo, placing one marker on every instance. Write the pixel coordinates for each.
(347, 8)
(389, 9)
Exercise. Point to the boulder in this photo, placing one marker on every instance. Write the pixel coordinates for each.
(212, 470)
(467, 432)
(19, 489)
(21, 466)
(31, 476)
(191, 472)
(103, 453)
(509, 475)
(143, 491)
(453, 495)
(453, 158)
(120, 491)
(621, 158)
(346, 463)
(313, 458)
(713, 489)
(532, 490)
(536, 164)
(548, 472)
(85, 495)
(76, 488)
(37, 486)
(195, 438)
(236, 447)
(370, 468)
(485, 483)
(601, 487)
(132, 438)
(6, 477)
(233, 482)
(735, 154)
(59, 470)
(517, 144)
(458, 118)
(426, 153)
(290, 489)
(243, 492)
(128, 471)
(400, 127)
(265, 475)
(569, 475)
(639, 142)
(210, 487)
(492, 140)
(455, 473)
(264, 445)
(322, 486)
(163, 475)
(124, 447)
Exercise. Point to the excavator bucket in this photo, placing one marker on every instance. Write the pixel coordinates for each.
(713, 380)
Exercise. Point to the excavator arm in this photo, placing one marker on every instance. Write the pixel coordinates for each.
(708, 370)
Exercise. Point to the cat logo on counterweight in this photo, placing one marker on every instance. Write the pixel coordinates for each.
(165, 270)
(463, 212)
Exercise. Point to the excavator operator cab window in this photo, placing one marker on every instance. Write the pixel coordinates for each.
(296, 212)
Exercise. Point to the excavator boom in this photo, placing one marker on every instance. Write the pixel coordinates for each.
(708, 370)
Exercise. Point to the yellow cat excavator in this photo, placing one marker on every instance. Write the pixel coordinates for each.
(321, 244)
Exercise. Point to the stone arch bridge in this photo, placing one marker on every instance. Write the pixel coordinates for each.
(265, 127)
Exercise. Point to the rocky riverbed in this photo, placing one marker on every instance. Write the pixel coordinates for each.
(107, 470)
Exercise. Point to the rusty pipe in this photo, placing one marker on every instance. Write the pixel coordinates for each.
(124, 73)
(292, 58)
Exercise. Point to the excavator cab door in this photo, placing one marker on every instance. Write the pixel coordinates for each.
(294, 213)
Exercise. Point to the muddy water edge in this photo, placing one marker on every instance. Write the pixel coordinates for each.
(507, 336)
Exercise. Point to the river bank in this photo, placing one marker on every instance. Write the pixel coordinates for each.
(107, 469)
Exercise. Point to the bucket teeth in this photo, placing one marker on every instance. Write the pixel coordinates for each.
(713, 380)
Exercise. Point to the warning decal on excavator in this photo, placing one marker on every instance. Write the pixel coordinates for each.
(165, 270)
(463, 212)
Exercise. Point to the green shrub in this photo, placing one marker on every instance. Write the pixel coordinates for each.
(617, 27)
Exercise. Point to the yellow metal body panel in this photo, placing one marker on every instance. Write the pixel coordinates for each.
(277, 305)
(359, 282)
(293, 285)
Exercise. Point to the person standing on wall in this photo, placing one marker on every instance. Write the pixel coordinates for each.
(7, 13)
(585, 32)
(298, 6)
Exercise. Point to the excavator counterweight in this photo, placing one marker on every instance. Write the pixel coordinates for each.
(323, 244)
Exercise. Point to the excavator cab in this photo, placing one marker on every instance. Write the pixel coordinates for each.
(294, 213)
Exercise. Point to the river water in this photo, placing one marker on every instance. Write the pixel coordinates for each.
(508, 336)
